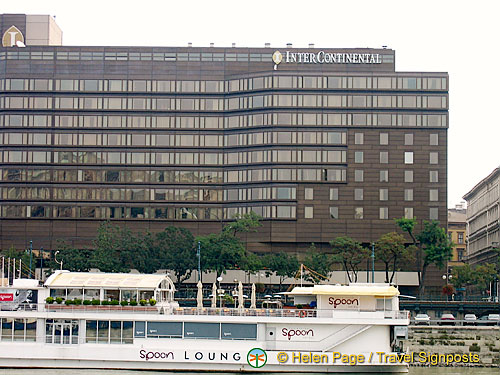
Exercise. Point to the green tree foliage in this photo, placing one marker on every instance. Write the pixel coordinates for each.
(484, 274)
(390, 249)
(282, 264)
(432, 244)
(251, 263)
(243, 224)
(115, 248)
(221, 252)
(350, 254)
(479, 275)
(318, 262)
(75, 260)
(175, 251)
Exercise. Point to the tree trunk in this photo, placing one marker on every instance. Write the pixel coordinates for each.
(386, 272)
(347, 271)
(394, 265)
(421, 279)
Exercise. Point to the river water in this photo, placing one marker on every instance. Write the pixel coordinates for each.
(413, 371)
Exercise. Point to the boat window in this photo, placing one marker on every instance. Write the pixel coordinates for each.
(61, 331)
(233, 331)
(164, 329)
(7, 324)
(17, 329)
(115, 331)
(140, 329)
(91, 294)
(58, 293)
(201, 330)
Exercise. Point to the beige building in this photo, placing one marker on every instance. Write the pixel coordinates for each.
(457, 226)
(483, 218)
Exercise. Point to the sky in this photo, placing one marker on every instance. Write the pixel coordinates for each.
(458, 37)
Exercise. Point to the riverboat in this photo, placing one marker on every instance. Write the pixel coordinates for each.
(330, 328)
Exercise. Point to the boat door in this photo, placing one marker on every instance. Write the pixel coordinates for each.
(271, 338)
(59, 331)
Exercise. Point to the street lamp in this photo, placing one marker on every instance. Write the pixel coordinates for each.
(198, 253)
(447, 278)
(55, 259)
(220, 291)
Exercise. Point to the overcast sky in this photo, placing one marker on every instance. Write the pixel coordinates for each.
(458, 37)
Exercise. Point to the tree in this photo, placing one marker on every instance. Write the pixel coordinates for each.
(432, 244)
(436, 248)
(282, 264)
(251, 263)
(220, 252)
(243, 224)
(390, 249)
(318, 264)
(175, 249)
(114, 248)
(22, 255)
(350, 254)
(75, 260)
(462, 276)
(484, 274)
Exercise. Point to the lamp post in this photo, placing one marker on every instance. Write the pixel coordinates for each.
(31, 256)
(198, 254)
(373, 262)
(220, 291)
(55, 259)
(447, 279)
(41, 263)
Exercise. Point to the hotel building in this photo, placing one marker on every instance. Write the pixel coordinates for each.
(321, 142)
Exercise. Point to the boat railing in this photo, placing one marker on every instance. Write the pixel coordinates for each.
(211, 311)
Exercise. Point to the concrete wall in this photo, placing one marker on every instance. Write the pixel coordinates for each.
(484, 341)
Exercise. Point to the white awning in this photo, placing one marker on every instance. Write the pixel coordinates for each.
(66, 279)
(347, 290)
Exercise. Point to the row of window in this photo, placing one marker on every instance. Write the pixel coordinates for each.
(214, 104)
(203, 177)
(174, 139)
(170, 213)
(408, 139)
(247, 175)
(127, 194)
(192, 213)
(17, 329)
(245, 84)
(202, 158)
(123, 176)
(228, 121)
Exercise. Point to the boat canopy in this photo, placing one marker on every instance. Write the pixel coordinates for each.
(374, 290)
(66, 279)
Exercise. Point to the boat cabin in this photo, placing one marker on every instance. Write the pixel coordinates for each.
(340, 299)
(110, 286)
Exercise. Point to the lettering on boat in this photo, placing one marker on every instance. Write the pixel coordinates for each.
(343, 302)
(297, 332)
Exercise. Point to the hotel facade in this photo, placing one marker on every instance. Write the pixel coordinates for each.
(321, 142)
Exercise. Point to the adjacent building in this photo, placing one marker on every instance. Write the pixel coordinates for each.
(457, 233)
(321, 142)
(483, 219)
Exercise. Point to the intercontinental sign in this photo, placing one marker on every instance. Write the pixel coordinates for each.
(323, 57)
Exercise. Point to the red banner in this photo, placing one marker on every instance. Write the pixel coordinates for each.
(6, 297)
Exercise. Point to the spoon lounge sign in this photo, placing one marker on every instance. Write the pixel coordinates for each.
(323, 57)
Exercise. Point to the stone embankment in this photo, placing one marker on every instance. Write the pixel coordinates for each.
(483, 341)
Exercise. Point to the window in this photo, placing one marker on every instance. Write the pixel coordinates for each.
(433, 157)
(408, 139)
(358, 212)
(384, 157)
(408, 212)
(460, 237)
(433, 213)
(334, 194)
(201, 330)
(308, 193)
(434, 139)
(408, 194)
(308, 212)
(383, 213)
(334, 212)
(358, 138)
(460, 254)
(384, 176)
(433, 195)
(358, 157)
(235, 331)
(408, 157)
(358, 175)
(358, 194)
(384, 138)
(433, 176)
(383, 194)
(408, 176)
